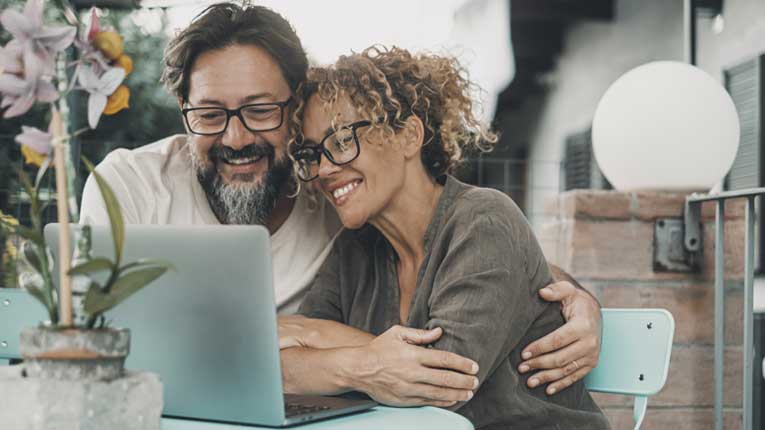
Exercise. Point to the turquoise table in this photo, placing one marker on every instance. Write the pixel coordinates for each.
(14, 303)
(379, 418)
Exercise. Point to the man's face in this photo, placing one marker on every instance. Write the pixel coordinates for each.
(243, 172)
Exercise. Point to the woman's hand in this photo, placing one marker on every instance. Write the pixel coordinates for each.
(394, 370)
(569, 353)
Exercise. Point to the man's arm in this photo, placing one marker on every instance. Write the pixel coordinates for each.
(569, 353)
(391, 369)
(300, 331)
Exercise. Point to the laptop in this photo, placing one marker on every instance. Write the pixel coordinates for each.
(208, 328)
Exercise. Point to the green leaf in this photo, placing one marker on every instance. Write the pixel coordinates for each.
(97, 301)
(31, 234)
(113, 209)
(30, 253)
(30, 282)
(143, 262)
(98, 264)
(34, 211)
(39, 295)
(41, 171)
(26, 183)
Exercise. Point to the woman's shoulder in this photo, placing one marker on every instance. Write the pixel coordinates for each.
(473, 203)
(355, 242)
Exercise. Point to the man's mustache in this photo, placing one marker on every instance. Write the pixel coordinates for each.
(222, 152)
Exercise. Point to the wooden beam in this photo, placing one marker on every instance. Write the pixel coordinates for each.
(561, 10)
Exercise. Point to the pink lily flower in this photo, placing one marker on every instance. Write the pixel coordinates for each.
(99, 88)
(35, 139)
(19, 94)
(94, 27)
(87, 52)
(28, 29)
(11, 58)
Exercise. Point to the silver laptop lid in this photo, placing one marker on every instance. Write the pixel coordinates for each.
(208, 327)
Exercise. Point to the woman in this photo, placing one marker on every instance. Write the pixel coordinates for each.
(382, 132)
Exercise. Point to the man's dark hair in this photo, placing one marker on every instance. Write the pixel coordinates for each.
(226, 24)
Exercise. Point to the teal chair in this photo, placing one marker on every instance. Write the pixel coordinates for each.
(18, 309)
(634, 355)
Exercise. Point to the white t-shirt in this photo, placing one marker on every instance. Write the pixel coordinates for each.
(155, 184)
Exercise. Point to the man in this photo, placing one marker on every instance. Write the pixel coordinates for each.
(234, 71)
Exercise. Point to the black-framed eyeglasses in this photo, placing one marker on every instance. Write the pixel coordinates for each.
(340, 147)
(207, 121)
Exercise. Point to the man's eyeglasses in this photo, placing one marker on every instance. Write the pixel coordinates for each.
(208, 121)
(340, 147)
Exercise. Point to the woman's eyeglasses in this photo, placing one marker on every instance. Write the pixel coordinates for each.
(340, 147)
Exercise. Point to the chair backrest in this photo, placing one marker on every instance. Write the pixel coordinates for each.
(18, 309)
(634, 354)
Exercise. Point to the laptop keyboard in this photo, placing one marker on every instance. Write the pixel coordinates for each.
(293, 409)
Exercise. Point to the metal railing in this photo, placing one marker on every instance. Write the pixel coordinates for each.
(692, 223)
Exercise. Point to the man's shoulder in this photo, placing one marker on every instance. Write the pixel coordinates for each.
(139, 178)
(152, 155)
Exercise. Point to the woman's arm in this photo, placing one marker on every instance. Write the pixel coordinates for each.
(328, 357)
(484, 293)
(391, 369)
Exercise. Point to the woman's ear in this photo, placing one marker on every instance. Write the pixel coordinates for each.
(414, 136)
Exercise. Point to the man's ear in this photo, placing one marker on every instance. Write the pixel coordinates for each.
(414, 136)
(185, 125)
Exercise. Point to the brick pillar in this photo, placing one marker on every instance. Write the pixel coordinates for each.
(605, 240)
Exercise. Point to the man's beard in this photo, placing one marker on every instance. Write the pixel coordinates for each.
(242, 201)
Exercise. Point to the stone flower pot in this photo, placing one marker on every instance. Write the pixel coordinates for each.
(73, 379)
(74, 354)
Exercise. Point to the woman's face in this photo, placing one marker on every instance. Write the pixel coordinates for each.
(362, 189)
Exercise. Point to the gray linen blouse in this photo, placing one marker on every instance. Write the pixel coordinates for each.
(479, 281)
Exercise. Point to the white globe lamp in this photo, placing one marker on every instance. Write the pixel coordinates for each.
(665, 126)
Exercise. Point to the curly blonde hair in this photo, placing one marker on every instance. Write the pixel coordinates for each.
(389, 85)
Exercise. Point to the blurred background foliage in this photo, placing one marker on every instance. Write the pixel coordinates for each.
(152, 114)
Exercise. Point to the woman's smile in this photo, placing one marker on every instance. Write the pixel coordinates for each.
(342, 191)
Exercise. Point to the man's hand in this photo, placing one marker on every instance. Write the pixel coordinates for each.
(569, 353)
(395, 371)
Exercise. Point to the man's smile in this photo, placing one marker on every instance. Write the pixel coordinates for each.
(245, 164)
(235, 168)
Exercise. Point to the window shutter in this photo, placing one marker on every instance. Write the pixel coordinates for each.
(744, 83)
(581, 171)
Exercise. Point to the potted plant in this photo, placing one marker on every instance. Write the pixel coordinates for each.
(87, 348)
(74, 343)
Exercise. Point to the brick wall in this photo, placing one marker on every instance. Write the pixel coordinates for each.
(605, 240)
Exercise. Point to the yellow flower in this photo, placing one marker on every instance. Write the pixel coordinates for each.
(32, 157)
(125, 62)
(8, 219)
(109, 43)
(10, 250)
(118, 100)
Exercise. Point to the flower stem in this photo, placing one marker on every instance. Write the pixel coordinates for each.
(63, 108)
